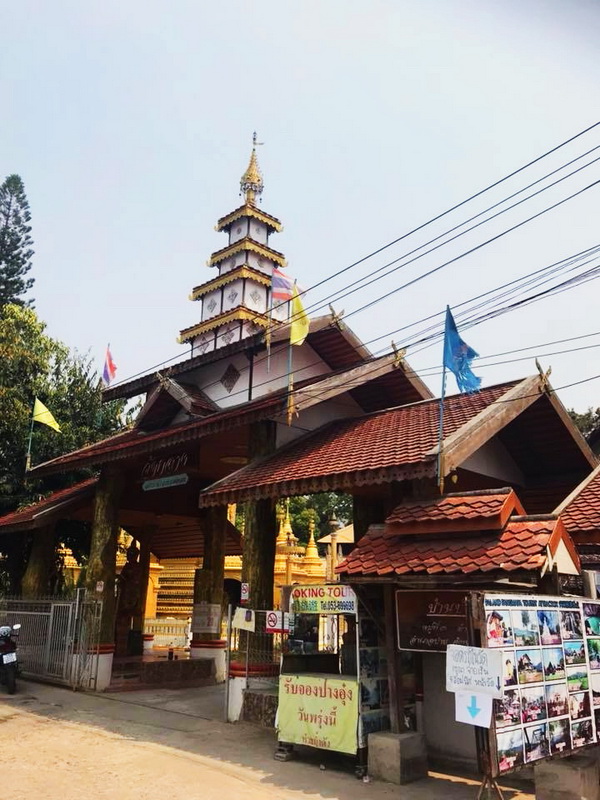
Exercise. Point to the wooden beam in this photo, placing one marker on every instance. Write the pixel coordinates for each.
(485, 425)
(573, 429)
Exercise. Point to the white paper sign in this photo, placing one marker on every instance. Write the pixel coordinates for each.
(244, 619)
(474, 669)
(206, 618)
(245, 593)
(474, 709)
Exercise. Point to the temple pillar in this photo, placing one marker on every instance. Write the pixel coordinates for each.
(208, 592)
(36, 580)
(101, 571)
(136, 641)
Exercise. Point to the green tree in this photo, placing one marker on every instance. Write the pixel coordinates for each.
(587, 421)
(323, 507)
(34, 365)
(15, 242)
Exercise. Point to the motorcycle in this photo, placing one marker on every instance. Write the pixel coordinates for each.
(8, 656)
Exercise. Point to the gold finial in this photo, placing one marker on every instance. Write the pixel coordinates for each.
(252, 183)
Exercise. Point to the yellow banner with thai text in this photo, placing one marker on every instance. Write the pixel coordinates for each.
(318, 711)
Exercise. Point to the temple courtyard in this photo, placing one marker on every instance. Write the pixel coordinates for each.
(140, 745)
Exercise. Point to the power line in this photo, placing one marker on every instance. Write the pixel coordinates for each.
(413, 231)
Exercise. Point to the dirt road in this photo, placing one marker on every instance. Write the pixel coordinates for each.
(59, 744)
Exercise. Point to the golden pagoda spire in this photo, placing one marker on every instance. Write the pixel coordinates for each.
(312, 561)
(252, 183)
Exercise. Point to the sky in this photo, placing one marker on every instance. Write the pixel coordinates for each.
(130, 122)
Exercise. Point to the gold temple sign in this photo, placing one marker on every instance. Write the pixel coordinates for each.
(319, 711)
(329, 599)
(159, 467)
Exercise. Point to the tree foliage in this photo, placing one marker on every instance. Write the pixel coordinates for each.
(321, 507)
(587, 421)
(15, 242)
(34, 365)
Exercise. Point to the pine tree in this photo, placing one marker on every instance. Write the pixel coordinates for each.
(15, 242)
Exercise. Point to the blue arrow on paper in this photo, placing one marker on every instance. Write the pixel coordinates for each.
(472, 709)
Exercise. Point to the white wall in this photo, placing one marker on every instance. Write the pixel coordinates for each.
(232, 295)
(445, 737)
(208, 309)
(258, 231)
(494, 460)
(238, 230)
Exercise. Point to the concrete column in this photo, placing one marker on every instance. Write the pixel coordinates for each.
(36, 580)
(208, 590)
(101, 570)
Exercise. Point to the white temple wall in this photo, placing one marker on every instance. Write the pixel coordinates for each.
(232, 295)
(255, 296)
(258, 231)
(494, 460)
(238, 230)
(211, 304)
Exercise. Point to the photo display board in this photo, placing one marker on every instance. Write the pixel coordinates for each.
(551, 672)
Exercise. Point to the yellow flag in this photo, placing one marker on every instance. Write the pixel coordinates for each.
(41, 414)
(300, 321)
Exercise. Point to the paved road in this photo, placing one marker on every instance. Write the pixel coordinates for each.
(145, 746)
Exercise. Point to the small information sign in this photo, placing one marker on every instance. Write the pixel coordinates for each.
(245, 595)
(474, 669)
(474, 709)
(276, 622)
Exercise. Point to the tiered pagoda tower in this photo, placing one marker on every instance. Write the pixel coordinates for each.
(236, 303)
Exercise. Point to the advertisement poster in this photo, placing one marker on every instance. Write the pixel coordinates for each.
(206, 618)
(328, 599)
(551, 675)
(319, 712)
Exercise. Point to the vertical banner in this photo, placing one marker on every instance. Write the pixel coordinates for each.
(551, 676)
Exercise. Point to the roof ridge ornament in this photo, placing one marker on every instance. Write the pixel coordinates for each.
(251, 183)
(544, 377)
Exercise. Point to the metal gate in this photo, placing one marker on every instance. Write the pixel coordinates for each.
(59, 638)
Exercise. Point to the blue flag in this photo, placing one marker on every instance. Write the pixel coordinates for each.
(458, 356)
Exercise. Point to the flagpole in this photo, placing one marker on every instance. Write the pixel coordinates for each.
(268, 333)
(290, 403)
(28, 459)
(440, 465)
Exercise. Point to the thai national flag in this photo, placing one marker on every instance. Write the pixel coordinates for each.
(110, 368)
(282, 286)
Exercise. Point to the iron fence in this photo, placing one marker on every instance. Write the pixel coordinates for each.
(59, 637)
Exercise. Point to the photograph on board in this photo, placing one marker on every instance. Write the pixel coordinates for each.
(370, 697)
(554, 664)
(499, 629)
(597, 720)
(570, 625)
(525, 628)
(591, 619)
(537, 744)
(577, 679)
(593, 647)
(574, 653)
(582, 733)
(549, 627)
(579, 705)
(533, 704)
(559, 731)
(369, 662)
(529, 665)
(557, 699)
(595, 686)
(508, 710)
(509, 669)
(510, 749)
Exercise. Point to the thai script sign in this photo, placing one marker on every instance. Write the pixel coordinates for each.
(473, 669)
(430, 621)
(165, 483)
(550, 650)
(159, 467)
(319, 712)
(328, 599)
(206, 618)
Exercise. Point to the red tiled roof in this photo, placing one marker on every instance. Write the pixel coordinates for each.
(25, 516)
(382, 446)
(580, 512)
(487, 509)
(521, 545)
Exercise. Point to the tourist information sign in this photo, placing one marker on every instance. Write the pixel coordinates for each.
(474, 670)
